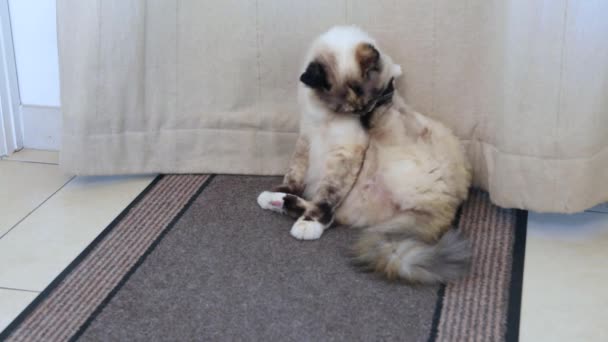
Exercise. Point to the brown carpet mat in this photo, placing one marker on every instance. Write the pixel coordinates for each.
(196, 259)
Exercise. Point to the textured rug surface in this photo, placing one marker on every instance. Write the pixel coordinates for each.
(195, 258)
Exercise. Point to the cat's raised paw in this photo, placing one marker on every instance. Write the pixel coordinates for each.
(307, 230)
(271, 201)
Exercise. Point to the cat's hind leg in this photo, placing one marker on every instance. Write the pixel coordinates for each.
(341, 169)
(293, 182)
(273, 201)
(309, 225)
(283, 203)
(307, 229)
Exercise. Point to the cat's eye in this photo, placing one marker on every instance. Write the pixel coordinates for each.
(357, 90)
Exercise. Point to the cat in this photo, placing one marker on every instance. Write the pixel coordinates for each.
(365, 159)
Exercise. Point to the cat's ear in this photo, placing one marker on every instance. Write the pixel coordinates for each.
(368, 58)
(315, 76)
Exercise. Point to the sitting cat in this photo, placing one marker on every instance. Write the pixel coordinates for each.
(365, 159)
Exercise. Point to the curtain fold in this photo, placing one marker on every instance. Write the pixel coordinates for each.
(179, 86)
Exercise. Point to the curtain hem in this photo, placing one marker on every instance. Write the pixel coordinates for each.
(545, 185)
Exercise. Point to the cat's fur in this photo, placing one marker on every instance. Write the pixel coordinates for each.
(365, 159)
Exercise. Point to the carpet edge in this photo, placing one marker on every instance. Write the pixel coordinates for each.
(510, 313)
(140, 260)
(437, 314)
(517, 277)
(434, 333)
(74, 263)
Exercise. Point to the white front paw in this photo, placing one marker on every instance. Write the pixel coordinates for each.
(307, 230)
(271, 201)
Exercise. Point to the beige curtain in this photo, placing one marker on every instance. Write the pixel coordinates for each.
(209, 86)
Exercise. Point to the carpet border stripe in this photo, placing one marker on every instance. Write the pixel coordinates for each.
(437, 314)
(141, 260)
(34, 322)
(53, 285)
(517, 277)
(512, 295)
(441, 291)
(512, 291)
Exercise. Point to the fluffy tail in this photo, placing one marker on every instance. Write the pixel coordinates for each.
(399, 254)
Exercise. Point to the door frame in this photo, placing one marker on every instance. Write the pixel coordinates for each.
(11, 125)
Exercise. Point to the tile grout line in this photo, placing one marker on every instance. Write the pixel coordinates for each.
(36, 208)
(596, 211)
(20, 290)
(29, 162)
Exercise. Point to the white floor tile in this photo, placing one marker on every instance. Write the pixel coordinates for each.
(43, 244)
(35, 156)
(24, 186)
(12, 302)
(565, 276)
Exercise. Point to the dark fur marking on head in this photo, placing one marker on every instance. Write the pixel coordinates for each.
(356, 88)
(368, 58)
(315, 76)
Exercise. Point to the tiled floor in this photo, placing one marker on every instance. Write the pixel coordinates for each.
(12, 302)
(47, 218)
(565, 297)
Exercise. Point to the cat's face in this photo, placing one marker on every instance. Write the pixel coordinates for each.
(350, 76)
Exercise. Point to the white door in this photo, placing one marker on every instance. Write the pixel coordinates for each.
(31, 75)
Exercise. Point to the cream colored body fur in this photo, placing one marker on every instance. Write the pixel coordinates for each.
(407, 172)
(414, 167)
